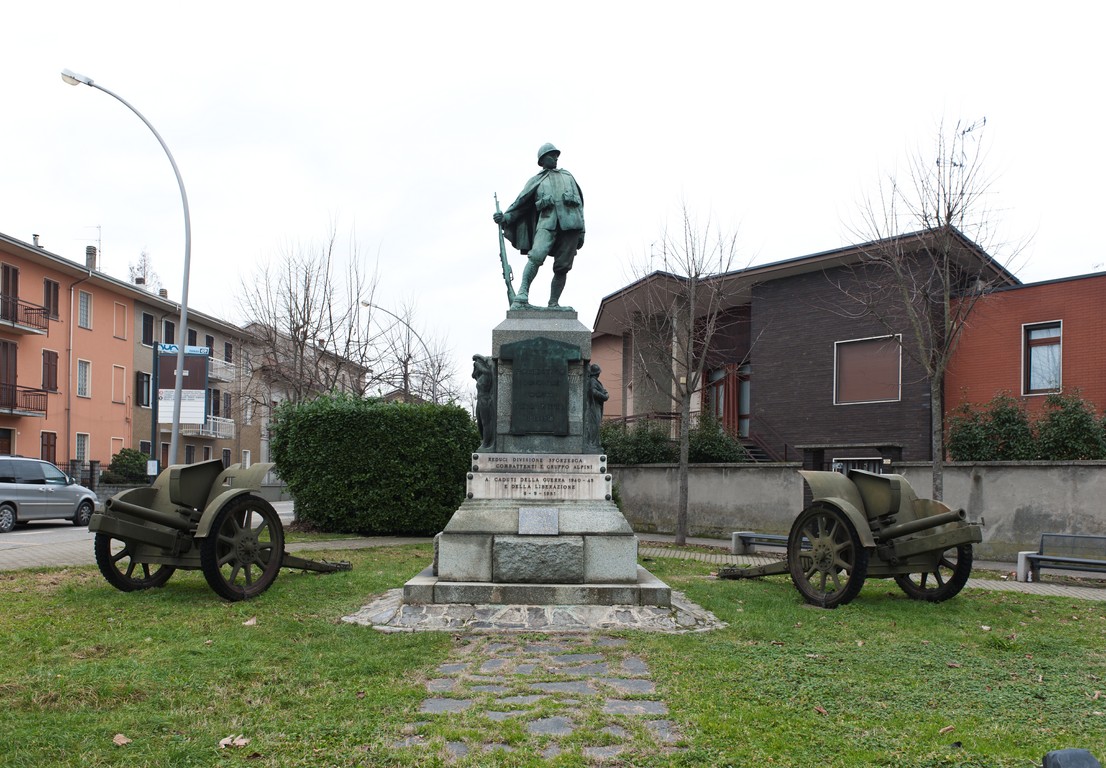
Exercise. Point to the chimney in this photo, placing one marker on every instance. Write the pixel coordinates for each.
(35, 238)
(90, 257)
(163, 293)
(140, 280)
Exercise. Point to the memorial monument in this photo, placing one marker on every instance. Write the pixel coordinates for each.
(538, 525)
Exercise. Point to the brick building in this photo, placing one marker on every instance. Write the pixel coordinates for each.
(1033, 340)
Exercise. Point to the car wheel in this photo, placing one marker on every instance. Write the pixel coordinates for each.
(84, 513)
(7, 517)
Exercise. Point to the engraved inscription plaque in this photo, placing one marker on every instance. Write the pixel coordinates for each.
(539, 385)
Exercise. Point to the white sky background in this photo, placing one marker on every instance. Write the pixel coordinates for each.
(396, 122)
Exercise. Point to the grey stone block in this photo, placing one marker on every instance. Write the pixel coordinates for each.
(420, 589)
(465, 557)
(593, 517)
(610, 559)
(538, 560)
(653, 591)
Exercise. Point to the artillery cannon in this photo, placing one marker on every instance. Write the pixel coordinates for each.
(864, 524)
(196, 517)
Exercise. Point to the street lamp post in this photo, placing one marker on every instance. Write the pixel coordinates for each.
(174, 435)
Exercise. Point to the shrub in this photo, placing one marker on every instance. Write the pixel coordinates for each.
(1069, 430)
(129, 465)
(644, 442)
(369, 467)
(711, 443)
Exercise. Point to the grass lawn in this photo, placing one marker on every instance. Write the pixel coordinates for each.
(986, 679)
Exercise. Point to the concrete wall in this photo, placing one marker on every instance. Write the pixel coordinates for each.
(1018, 501)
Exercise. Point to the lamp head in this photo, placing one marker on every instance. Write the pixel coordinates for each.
(73, 78)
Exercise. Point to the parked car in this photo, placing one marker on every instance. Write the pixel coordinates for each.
(31, 489)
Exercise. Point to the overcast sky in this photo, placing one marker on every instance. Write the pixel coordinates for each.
(394, 123)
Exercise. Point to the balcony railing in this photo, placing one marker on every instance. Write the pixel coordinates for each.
(23, 316)
(213, 427)
(22, 401)
(220, 370)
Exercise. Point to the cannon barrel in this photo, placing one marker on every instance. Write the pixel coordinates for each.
(921, 524)
(152, 515)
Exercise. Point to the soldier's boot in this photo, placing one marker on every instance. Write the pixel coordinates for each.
(556, 287)
(529, 272)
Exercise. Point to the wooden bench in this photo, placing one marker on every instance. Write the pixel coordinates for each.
(745, 542)
(1063, 551)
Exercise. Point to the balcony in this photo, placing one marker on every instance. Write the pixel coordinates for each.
(220, 370)
(214, 428)
(22, 401)
(22, 317)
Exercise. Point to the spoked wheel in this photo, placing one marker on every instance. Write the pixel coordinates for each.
(827, 562)
(122, 571)
(951, 574)
(241, 556)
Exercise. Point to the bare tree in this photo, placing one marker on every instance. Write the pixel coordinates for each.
(318, 328)
(311, 329)
(676, 313)
(143, 270)
(927, 262)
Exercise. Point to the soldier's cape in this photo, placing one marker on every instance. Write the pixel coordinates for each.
(524, 216)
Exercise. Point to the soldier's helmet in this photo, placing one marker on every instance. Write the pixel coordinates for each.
(545, 149)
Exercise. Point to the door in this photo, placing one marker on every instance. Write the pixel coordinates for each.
(9, 292)
(8, 352)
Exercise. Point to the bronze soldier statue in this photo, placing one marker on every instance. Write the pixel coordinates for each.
(547, 219)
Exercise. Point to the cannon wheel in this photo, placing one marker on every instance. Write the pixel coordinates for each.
(119, 567)
(953, 570)
(242, 555)
(830, 568)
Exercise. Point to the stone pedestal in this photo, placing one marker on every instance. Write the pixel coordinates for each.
(538, 525)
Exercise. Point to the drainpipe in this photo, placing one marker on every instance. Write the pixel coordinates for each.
(69, 373)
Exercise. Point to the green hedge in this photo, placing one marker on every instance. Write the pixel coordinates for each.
(648, 442)
(374, 468)
(1067, 429)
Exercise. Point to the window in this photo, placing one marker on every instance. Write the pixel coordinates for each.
(247, 412)
(207, 453)
(245, 459)
(147, 329)
(82, 447)
(226, 405)
(226, 458)
(209, 342)
(228, 352)
(867, 370)
(84, 378)
(84, 309)
(144, 446)
(1041, 358)
(142, 389)
(214, 401)
(168, 332)
(118, 384)
(50, 290)
(192, 338)
(120, 320)
(49, 370)
(189, 454)
(48, 447)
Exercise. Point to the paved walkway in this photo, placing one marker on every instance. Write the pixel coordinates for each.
(583, 695)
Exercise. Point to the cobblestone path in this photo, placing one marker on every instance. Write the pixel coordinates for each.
(583, 695)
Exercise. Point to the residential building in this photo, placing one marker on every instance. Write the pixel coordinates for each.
(796, 367)
(76, 366)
